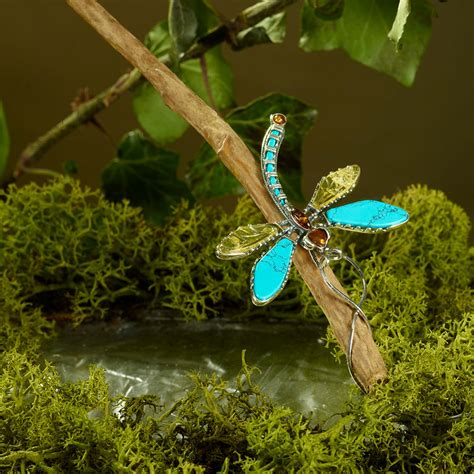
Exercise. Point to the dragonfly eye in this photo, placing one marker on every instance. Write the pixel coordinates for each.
(301, 219)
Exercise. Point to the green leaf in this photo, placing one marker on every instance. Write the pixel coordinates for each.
(329, 9)
(70, 167)
(219, 74)
(362, 32)
(158, 39)
(269, 30)
(188, 21)
(403, 11)
(160, 122)
(146, 176)
(164, 125)
(207, 175)
(154, 116)
(4, 140)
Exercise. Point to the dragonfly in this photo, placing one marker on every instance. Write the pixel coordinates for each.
(310, 228)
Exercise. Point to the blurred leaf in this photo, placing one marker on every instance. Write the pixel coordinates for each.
(403, 11)
(269, 30)
(4, 140)
(158, 39)
(209, 178)
(71, 167)
(362, 32)
(160, 122)
(329, 9)
(183, 24)
(220, 76)
(154, 116)
(189, 20)
(145, 175)
(164, 125)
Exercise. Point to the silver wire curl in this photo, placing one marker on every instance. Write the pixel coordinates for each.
(323, 260)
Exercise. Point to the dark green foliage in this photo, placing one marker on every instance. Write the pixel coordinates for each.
(70, 167)
(362, 27)
(158, 120)
(208, 177)
(146, 176)
(419, 420)
(190, 20)
(327, 10)
(270, 30)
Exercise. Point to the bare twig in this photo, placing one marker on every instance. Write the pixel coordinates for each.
(127, 82)
(81, 115)
(368, 364)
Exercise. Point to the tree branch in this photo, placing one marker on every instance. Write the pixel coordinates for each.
(368, 364)
(127, 82)
(81, 115)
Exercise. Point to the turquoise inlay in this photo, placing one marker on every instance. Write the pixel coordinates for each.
(368, 215)
(277, 191)
(276, 133)
(271, 270)
(282, 201)
(272, 142)
(270, 167)
(269, 155)
(273, 180)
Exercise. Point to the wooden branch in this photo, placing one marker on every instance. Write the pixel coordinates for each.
(368, 364)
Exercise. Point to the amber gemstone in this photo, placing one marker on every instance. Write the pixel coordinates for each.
(319, 237)
(279, 119)
(300, 218)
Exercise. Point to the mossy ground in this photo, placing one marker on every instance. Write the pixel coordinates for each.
(66, 253)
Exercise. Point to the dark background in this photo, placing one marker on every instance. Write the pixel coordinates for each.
(398, 135)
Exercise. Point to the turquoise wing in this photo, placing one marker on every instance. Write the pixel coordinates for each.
(270, 272)
(367, 216)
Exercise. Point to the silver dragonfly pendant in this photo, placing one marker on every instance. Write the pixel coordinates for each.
(309, 228)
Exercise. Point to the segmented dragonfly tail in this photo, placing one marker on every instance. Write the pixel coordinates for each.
(271, 144)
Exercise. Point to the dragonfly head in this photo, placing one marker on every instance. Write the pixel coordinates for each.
(300, 219)
(278, 119)
(313, 234)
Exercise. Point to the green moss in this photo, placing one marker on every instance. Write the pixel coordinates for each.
(74, 254)
(418, 421)
(22, 326)
(93, 256)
